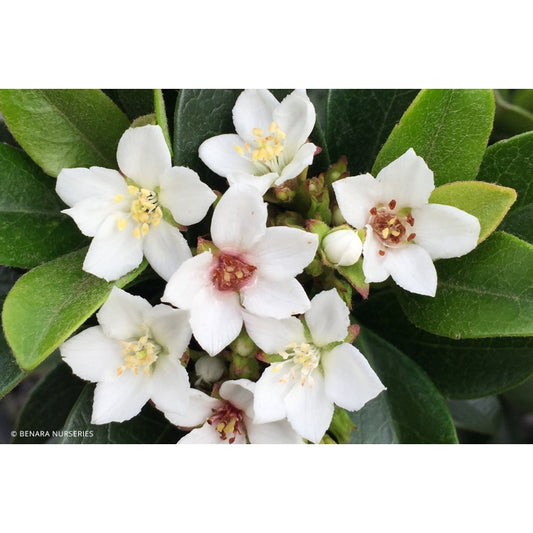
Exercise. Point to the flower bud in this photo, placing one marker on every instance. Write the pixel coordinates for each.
(342, 247)
(209, 369)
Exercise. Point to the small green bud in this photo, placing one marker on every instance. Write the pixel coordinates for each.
(337, 171)
(244, 367)
(243, 345)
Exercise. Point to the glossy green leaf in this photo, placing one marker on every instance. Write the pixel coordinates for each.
(48, 406)
(64, 128)
(358, 122)
(134, 102)
(148, 427)
(511, 117)
(411, 410)
(487, 293)
(161, 114)
(354, 274)
(482, 415)
(448, 128)
(50, 302)
(465, 368)
(32, 228)
(510, 163)
(486, 201)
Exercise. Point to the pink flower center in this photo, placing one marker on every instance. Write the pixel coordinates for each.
(231, 273)
(391, 227)
(228, 421)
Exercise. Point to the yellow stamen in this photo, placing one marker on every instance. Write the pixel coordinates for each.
(385, 233)
(239, 149)
(137, 233)
(122, 223)
(118, 198)
(258, 132)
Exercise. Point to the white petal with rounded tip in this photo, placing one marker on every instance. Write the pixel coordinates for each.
(169, 385)
(373, 267)
(412, 269)
(89, 214)
(165, 249)
(279, 432)
(185, 195)
(270, 392)
(76, 184)
(119, 400)
(356, 196)
(261, 183)
(123, 314)
(219, 154)
(328, 318)
(216, 319)
(92, 355)
(112, 252)
(408, 180)
(190, 278)
(284, 252)
(239, 219)
(271, 334)
(296, 117)
(301, 159)
(349, 379)
(254, 108)
(240, 393)
(275, 298)
(309, 410)
(170, 328)
(143, 155)
(199, 410)
(445, 231)
(207, 434)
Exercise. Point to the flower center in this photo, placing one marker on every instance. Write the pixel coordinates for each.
(231, 273)
(139, 355)
(145, 211)
(228, 421)
(391, 227)
(267, 147)
(300, 360)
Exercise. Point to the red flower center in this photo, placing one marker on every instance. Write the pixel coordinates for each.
(228, 421)
(231, 273)
(390, 227)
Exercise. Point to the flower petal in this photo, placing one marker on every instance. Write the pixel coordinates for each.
(275, 298)
(356, 195)
(412, 269)
(309, 410)
(121, 399)
(170, 328)
(301, 159)
(92, 355)
(169, 385)
(269, 396)
(89, 214)
(200, 408)
(165, 249)
(328, 318)
(373, 267)
(280, 432)
(112, 252)
(254, 108)
(239, 218)
(284, 252)
(123, 314)
(143, 155)
(349, 379)
(76, 184)
(408, 180)
(271, 334)
(445, 231)
(240, 393)
(261, 183)
(296, 117)
(185, 195)
(219, 154)
(207, 434)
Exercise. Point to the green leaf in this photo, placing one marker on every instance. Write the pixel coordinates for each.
(510, 163)
(448, 128)
(358, 122)
(511, 117)
(64, 128)
(50, 302)
(466, 368)
(489, 203)
(32, 228)
(148, 427)
(134, 102)
(354, 274)
(487, 293)
(48, 406)
(482, 415)
(411, 410)
(161, 114)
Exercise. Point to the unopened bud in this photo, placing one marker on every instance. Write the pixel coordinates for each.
(342, 247)
(209, 369)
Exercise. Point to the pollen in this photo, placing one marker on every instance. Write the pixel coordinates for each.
(145, 210)
(266, 148)
(139, 355)
(228, 420)
(121, 224)
(300, 362)
(118, 198)
(231, 273)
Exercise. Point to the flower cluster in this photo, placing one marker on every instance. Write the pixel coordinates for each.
(269, 335)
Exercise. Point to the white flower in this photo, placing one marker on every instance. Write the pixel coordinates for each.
(133, 356)
(318, 369)
(270, 146)
(230, 419)
(342, 247)
(126, 217)
(404, 233)
(254, 268)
